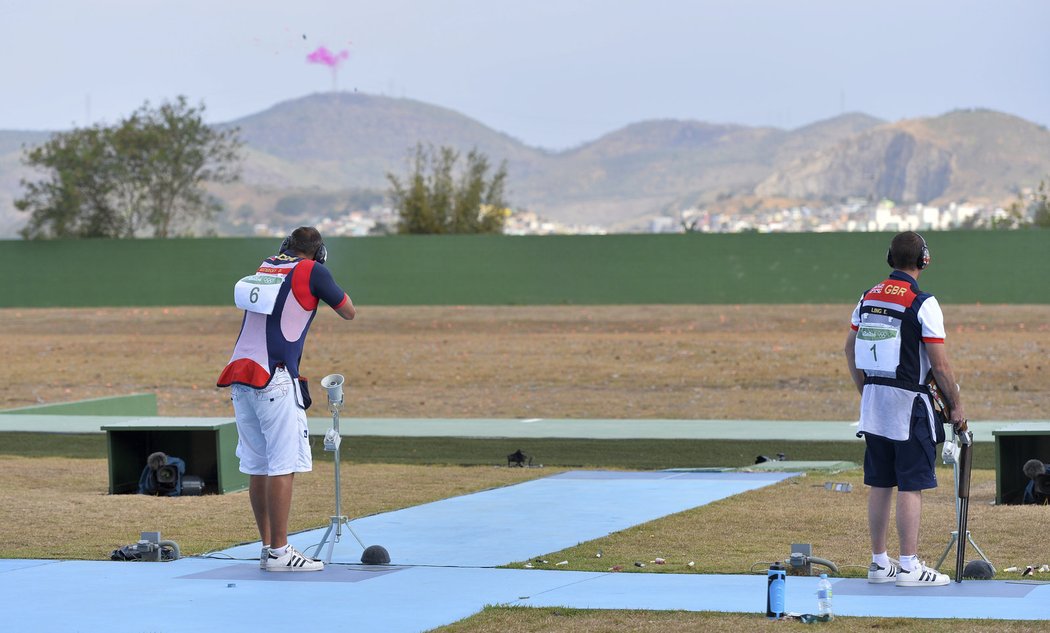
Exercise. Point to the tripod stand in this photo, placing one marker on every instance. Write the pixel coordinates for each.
(334, 384)
(951, 455)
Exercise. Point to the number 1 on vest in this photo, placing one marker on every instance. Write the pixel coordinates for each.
(883, 338)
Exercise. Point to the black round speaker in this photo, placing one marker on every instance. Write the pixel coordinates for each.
(979, 570)
(375, 555)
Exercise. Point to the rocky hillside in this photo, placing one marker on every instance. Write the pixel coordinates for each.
(964, 155)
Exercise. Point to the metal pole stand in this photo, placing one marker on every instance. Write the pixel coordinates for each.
(332, 440)
(958, 515)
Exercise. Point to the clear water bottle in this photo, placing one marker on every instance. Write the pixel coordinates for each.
(824, 598)
(775, 591)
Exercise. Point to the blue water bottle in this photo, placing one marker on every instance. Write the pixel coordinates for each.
(775, 591)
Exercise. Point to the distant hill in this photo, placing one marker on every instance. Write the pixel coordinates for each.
(353, 140)
(334, 151)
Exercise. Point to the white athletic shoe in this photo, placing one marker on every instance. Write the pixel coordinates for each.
(877, 573)
(293, 560)
(921, 576)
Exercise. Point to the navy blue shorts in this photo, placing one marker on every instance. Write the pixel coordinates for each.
(906, 465)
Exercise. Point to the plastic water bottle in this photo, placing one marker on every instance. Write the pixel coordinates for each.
(775, 591)
(824, 598)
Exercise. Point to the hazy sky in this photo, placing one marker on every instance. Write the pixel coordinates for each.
(552, 73)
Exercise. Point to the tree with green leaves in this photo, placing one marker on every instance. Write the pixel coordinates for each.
(145, 174)
(1041, 206)
(436, 198)
(1029, 209)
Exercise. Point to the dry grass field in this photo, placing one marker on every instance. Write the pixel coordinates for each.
(706, 362)
(53, 507)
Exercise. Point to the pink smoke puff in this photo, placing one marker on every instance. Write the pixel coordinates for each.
(326, 57)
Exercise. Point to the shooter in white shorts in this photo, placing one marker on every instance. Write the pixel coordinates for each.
(273, 438)
(269, 396)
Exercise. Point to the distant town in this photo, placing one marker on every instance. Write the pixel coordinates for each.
(849, 216)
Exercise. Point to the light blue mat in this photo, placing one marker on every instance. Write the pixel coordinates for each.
(233, 597)
(445, 550)
(517, 522)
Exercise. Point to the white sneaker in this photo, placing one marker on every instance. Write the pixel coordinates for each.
(921, 576)
(263, 555)
(293, 560)
(877, 573)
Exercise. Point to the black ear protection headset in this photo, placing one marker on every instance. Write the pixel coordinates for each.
(320, 256)
(921, 263)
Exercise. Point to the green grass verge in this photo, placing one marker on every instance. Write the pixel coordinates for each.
(627, 454)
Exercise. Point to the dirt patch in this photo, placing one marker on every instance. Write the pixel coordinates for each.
(703, 362)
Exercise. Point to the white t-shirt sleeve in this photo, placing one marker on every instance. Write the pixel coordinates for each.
(932, 320)
(855, 319)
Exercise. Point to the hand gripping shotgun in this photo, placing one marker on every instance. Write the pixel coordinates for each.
(963, 460)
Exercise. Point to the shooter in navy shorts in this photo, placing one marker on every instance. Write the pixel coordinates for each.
(907, 465)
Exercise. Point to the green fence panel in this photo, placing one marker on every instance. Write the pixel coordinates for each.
(791, 268)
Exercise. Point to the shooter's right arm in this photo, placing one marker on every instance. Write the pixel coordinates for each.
(942, 372)
(346, 309)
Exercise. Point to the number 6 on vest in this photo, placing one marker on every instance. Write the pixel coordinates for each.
(257, 293)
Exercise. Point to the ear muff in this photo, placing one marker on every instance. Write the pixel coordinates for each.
(921, 263)
(924, 256)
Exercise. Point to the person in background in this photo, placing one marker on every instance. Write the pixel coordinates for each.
(148, 483)
(1038, 474)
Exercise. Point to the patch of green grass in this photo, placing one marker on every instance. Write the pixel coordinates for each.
(636, 454)
(570, 453)
(74, 445)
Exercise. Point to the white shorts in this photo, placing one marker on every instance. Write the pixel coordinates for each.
(272, 436)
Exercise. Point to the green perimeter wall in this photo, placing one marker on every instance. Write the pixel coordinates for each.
(792, 268)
